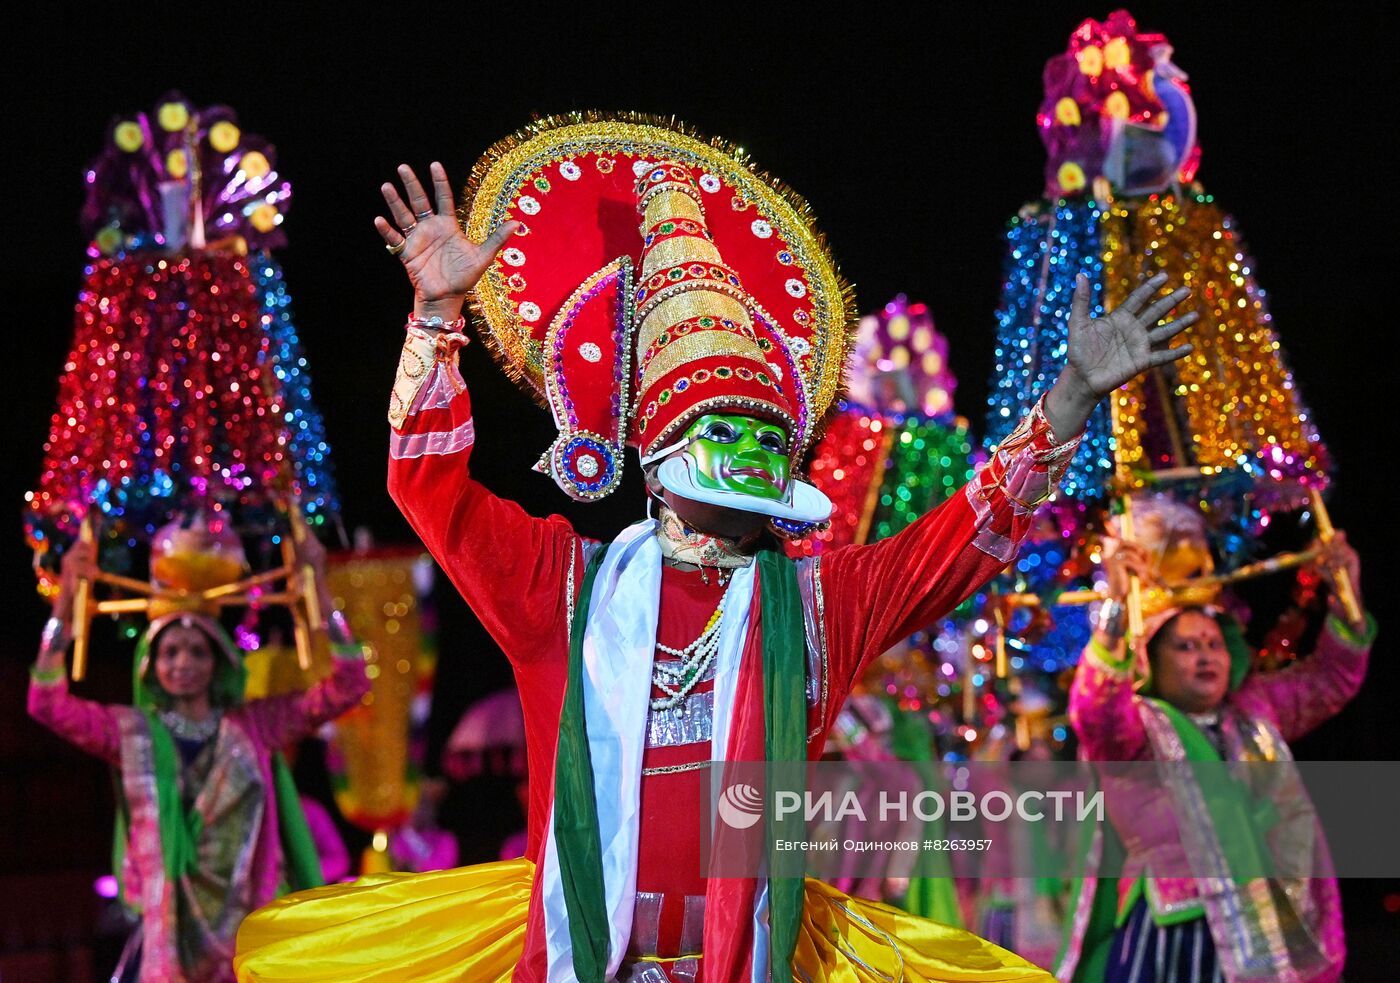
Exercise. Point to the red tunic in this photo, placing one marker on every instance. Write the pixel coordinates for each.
(516, 571)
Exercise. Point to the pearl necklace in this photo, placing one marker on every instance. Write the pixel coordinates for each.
(676, 681)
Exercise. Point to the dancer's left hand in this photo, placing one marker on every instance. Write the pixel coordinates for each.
(1105, 352)
(1336, 556)
(79, 563)
(310, 553)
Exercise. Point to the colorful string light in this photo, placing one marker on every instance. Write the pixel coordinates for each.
(313, 478)
(1232, 404)
(180, 176)
(1049, 246)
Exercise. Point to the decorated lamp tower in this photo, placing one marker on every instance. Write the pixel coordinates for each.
(377, 751)
(185, 428)
(893, 451)
(1225, 428)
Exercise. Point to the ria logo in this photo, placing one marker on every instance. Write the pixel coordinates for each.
(740, 805)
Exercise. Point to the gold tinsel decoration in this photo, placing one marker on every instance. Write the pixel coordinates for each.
(1236, 394)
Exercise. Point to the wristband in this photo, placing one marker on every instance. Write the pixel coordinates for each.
(338, 629)
(435, 323)
(1111, 618)
(46, 677)
(55, 636)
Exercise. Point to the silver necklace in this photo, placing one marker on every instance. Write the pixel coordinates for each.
(191, 730)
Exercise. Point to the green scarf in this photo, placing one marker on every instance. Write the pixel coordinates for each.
(934, 897)
(785, 738)
(576, 810)
(1238, 818)
(1102, 923)
(575, 806)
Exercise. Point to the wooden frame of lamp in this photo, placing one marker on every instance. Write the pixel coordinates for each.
(297, 592)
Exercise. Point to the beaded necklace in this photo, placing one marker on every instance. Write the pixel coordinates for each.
(677, 679)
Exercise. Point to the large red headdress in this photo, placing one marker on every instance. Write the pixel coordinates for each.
(656, 277)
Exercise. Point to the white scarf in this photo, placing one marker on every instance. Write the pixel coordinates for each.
(619, 646)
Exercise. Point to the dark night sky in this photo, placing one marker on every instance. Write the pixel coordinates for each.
(910, 131)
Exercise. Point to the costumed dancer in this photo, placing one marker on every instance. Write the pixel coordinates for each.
(185, 393)
(712, 342)
(1022, 913)
(1202, 703)
(209, 823)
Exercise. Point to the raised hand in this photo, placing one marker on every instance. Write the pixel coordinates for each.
(79, 563)
(442, 263)
(1123, 560)
(1336, 557)
(1105, 352)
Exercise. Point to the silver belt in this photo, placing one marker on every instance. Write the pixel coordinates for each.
(646, 925)
(680, 971)
(690, 722)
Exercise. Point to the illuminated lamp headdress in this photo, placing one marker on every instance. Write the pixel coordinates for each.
(1116, 107)
(1175, 537)
(183, 176)
(900, 363)
(185, 392)
(657, 277)
(185, 387)
(894, 450)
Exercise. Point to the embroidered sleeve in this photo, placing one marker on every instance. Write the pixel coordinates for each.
(428, 376)
(883, 592)
(1316, 687)
(1102, 707)
(88, 725)
(282, 720)
(1025, 469)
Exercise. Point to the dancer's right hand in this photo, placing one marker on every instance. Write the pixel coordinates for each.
(79, 562)
(442, 263)
(1122, 560)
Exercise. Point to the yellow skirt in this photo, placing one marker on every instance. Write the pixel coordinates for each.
(469, 924)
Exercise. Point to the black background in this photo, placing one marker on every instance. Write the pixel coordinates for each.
(909, 129)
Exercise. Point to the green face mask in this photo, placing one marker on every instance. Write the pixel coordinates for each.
(740, 454)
